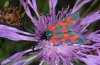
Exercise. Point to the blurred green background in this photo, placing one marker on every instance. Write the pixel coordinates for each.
(8, 47)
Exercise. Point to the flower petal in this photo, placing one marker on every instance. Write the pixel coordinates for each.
(16, 57)
(91, 59)
(97, 46)
(76, 4)
(41, 63)
(77, 7)
(52, 4)
(28, 12)
(15, 34)
(91, 18)
(42, 26)
(94, 36)
(33, 6)
(24, 62)
(52, 13)
(52, 54)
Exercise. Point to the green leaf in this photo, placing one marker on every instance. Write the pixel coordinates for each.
(6, 4)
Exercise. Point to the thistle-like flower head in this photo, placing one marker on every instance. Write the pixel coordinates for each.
(61, 37)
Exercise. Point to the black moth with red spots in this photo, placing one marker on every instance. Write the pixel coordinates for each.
(60, 32)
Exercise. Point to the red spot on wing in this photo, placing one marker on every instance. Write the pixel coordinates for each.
(62, 24)
(68, 19)
(66, 36)
(53, 38)
(74, 38)
(63, 40)
(51, 28)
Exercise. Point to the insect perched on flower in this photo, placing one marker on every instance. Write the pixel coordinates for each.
(61, 30)
(61, 37)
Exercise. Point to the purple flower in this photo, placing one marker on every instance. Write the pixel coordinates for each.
(55, 53)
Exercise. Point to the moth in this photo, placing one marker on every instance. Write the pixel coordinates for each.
(61, 30)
